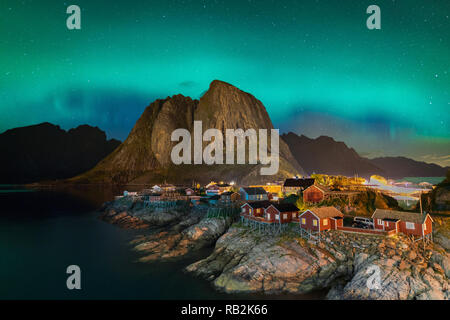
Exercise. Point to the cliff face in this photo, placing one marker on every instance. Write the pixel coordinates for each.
(144, 156)
(46, 152)
(325, 155)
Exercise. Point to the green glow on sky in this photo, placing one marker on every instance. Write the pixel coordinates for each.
(314, 65)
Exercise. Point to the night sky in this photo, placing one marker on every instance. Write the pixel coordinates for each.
(314, 65)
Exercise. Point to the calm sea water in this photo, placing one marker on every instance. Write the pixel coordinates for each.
(432, 180)
(44, 231)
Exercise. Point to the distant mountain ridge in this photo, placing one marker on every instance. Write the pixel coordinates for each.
(327, 156)
(47, 152)
(400, 167)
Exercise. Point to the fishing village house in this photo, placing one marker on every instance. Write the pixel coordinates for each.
(215, 189)
(273, 190)
(409, 223)
(193, 197)
(130, 194)
(253, 194)
(321, 219)
(281, 212)
(212, 190)
(214, 200)
(164, 188)
(229, 197)
(270, 188)
(254, 208)
(297, 185)
(168, 188)
(317, 193)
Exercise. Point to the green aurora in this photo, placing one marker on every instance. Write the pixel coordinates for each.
(314, 65)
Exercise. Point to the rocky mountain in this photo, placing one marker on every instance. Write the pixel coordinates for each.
(400, 167)
(144, 156)
(327, 156)
(47, 152)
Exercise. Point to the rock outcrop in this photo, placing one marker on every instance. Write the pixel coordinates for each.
(130, 213)
(169, 244)
(246, 262)
(243, 262)
(145, 155)
(175, 232)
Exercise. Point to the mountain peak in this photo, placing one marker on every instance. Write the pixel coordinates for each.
(146, 154)
(221, 84)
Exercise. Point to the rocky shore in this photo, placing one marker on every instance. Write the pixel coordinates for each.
(244, 261)
(181, 230)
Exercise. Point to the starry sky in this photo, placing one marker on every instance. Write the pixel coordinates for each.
(313, 63)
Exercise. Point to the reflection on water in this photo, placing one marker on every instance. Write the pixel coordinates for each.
(44, 231)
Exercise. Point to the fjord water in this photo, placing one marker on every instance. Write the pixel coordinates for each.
(42, 232)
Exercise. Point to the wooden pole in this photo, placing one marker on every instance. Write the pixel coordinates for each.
(420, 201)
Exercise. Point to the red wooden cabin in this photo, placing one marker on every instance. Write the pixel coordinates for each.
(409, 223)
(255, 209)
(313, 194)
(321, 219)
(281, 212)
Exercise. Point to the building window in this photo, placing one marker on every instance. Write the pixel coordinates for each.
(268, 216)
(315, 223)
(251, 211)
(294, 215)
(277, 217)
(285, 216)
(325, 222)
(386, 223)
(243, 209)
(410, 226)
(379, 222)
(424, 227)
(303, 221)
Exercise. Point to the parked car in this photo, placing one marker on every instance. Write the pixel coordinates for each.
(363, 222)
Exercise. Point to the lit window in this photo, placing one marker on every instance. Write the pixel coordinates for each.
(303, 221)
(243, 209)
(410, 226)
(325, 222)
(386, 223)
(315, 222)
(277, 217)
(294, 215)
(268, 216)
(379, 222)
(424, 226)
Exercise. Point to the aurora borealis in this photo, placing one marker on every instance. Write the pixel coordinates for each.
(314, 65)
